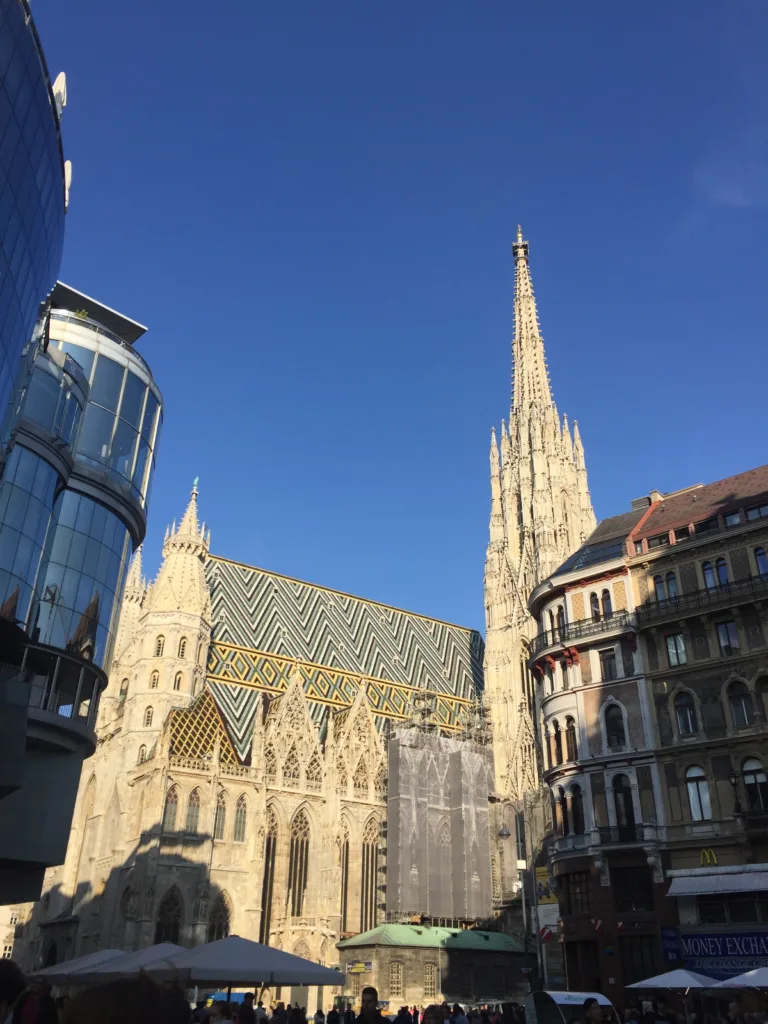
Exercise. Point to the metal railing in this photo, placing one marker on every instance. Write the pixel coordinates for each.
(755, 821)
(710, 597)
(621, 834)
(581, 629)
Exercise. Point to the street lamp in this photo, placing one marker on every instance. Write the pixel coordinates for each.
(734, 781)
(504, 832)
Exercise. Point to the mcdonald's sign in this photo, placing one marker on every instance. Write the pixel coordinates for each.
(708, 858)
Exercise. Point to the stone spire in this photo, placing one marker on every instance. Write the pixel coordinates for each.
(540, 513)
(181, 583)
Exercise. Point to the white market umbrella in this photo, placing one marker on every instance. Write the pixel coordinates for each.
(59, 974)
(124, 966)
(676, 979)
(752, 979)
(235, 961)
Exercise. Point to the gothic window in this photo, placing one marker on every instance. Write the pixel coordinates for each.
(315, 774)
(344, 863)
(709, 576)
(219, 921)
(268, 883)
(183, 647)
(742, 706)
(301, 949)
(369, 876)
(341, 777)
(395, 980)
(671, 584)
(722, 572)
(577, 810)
(291, 770)
(685, 712)
(594, 606)
(241, 817)
(430, 982)
(380, 782)
(154, 679)
(444, 838)
(298, 864)
(570, 739)
(169, 917)
(270, 764)
(177, 681)
(360, 780)
(495, 882)
(220, 818)
(698, 794)
(148, 715)
(123, 689)
(761, 561)
(614, 726)
(658, 588)
(606, 603)
(170, 809)
(755, 784)
(159, 646)
(142, 754)
(193, 811)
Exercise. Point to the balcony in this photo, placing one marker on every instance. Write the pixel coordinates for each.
(582, 629)
(709, 599)
(755, 822)
(606, 835)
(611, 835)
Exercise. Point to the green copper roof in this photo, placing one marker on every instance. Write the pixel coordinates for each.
(434, 938)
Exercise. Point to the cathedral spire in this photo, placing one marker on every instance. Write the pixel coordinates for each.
(530, 382)
(189, 534)
(134, 581)
(497, 512)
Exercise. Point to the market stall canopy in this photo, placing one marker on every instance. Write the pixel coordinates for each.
(714, 882)
(677, 979)
(752, 979)
(235, 961)
(125, 965)
(59, 974)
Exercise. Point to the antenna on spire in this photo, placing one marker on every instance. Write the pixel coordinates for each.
(195, 482)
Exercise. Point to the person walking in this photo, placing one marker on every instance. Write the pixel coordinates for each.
(369, 1007)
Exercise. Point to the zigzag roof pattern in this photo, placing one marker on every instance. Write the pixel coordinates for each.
(261, 610)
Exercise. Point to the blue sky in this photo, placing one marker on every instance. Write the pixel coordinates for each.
(311, 204)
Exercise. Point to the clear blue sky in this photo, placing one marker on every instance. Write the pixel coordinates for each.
(311, 204)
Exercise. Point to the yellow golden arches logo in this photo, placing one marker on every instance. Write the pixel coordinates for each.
(708, 858)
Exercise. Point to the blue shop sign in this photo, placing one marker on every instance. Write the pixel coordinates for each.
(670, 946)
(725, 954)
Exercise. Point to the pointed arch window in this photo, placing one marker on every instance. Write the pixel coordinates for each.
(315, 774)
(154, 679)
(148, 716)
(292, 770)
(219, 921)
(268, 882)
(241, 818)
(344, 865)
(169, 917)
(142, 754)
(177, 681)
(193, 812)
(577, 810)
(369, 876)
(183, 647)
(761, 561)
(615, 735)
(341, 777)
(123, 689)
(360, 781)
(270, 764)
(298, 865)
(220, 818)
(594, 607)
(159, 646)
(380, 783)
(607, 604)
(170, 809)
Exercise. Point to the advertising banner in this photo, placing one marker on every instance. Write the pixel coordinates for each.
(545, 887)
(359, 967)
(724, 954)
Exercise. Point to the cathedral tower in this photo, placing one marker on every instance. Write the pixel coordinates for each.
(541, 512)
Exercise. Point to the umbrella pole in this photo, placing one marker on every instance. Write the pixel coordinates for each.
(229, 993)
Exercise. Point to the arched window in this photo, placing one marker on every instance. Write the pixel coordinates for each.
(159, 646)
(268, 882)
(142, 754)
(685, 712)
(614, 726)
(570, 739)
(395, 980)
(241, 817)
(563, 801)
(148, 716)
(742, 706)
(380, 782)
(430, 982)
(219, 921)
(709, 576)
(291, 770)
(315, 774)
(341, 777)
(622, 801)
(270, 764)
(761, 560)
(360, 780)
(369, 880)
(558, 742)
(170, 809)
(698, 794)
(577, 810)
(671, 585)
(123, 689)
(193, 812)
(177, 681)
(560, 621)
(755, 784)
(551, 624)
(183, 647)
(606, 603)
(169, 917)
(594, 605)
(298, 865)
(154, 679)
(220, 817)
(722, 572)
(658, 588)
(344, 865)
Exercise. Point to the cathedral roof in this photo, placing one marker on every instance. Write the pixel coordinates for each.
(426, 936)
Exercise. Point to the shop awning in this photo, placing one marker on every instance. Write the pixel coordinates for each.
(703, 885)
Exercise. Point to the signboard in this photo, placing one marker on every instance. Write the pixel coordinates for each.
(670, 946)
(359, 967)
(545, 887)
(723, 954)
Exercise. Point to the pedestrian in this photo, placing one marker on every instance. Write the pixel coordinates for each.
(319, 1016)
(433, 1014)
(593, 1013)
(12, 985)
(128, 1001)
(201, 1013)
(369, 1006)
(333, 1016)
(459, 1017)
(247, 1014)
(260, 1013)
(349, 1015)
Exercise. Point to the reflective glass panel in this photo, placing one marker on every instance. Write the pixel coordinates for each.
(123, 449)
(42, 398)
(132, 405)
(83, 356)
(96, 433)
(107, 383)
